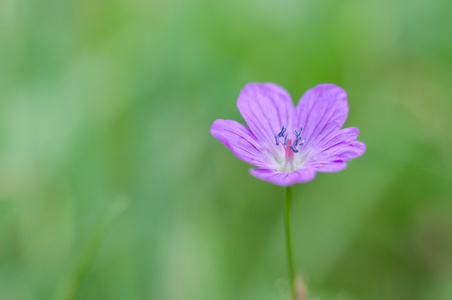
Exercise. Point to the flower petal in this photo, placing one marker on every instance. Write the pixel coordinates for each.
(284, 179)
(321, 111)
(266, 108)
(240, 141)
(333, 151)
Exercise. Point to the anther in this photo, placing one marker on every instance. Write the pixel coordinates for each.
(293, 148)
(286, 139)
(283, 130)
(296, 133)
(277, 139)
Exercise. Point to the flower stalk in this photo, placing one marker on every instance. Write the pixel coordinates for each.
(290, 260)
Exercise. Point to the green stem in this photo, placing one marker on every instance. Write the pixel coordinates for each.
(289, 243)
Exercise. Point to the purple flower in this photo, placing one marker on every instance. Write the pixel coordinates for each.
(289, 145)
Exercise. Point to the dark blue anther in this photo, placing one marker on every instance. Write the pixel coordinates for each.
(302, 143)
(283, 130)
(296, 133)
(297, 140)
(281, 134)
(293, 148)
(286, 139)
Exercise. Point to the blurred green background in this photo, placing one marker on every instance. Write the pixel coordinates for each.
(111, 186)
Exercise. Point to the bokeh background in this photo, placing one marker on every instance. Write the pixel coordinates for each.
(111, 186)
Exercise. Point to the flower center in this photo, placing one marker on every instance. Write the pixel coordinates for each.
(290, 145)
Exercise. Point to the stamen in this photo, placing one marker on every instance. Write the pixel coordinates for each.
(296, 143)
(296, 133)
(283, 130)
(286, 140)
(280, 134)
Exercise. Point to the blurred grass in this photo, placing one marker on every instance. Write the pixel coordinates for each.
(107, 98)
(70, 286)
